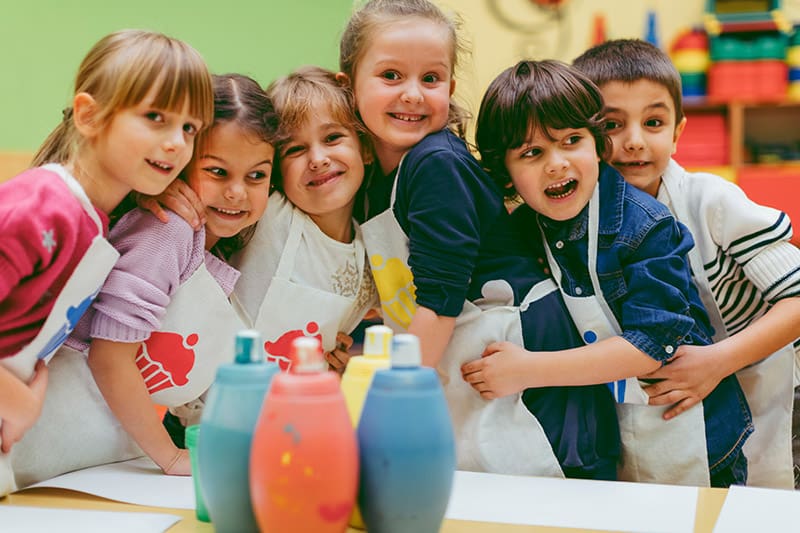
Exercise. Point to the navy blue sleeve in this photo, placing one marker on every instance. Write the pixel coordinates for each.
(442, 199)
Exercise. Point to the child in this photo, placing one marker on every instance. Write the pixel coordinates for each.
(442, 248)
(745, 268)
(619, 259)
(140, 99)
(305, 270)
(162, 322)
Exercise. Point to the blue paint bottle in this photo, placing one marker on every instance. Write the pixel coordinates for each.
(226, 431)
(406, 446)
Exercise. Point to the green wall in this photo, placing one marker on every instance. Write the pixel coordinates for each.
(42, 42)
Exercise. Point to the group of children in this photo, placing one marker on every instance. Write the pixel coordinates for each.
(628, 321)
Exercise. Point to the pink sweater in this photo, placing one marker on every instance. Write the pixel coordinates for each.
(44, 232)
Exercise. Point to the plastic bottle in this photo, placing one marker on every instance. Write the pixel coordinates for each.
(406, 446)
(304, 460)
(357, 378)
(226, 431)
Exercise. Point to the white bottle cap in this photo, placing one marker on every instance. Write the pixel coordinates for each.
(405, 351)
(248, 347)
(307, 356)
(378, 341)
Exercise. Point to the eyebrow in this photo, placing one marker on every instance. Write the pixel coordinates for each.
(221, 160)
(652, 107)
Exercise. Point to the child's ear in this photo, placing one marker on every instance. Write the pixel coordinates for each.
(343, 79)
(452, 86)
(84, 111)
(678, 131)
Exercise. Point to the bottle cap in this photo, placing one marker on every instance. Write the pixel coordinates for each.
(405, 351)
(378, 341)
(306, 356)
(248, 347)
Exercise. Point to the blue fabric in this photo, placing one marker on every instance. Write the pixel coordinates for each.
(645, 278)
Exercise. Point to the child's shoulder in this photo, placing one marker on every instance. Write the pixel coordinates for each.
(143, 225)
(39, 194)
(627, 202)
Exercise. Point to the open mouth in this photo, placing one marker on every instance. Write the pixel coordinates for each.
(322, 180)
(158, 165)
(405, 117)
(561, 189)
(233, 213)
(631, 164)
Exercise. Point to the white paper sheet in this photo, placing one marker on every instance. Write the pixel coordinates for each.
(575, 503)
(22, 519)
(138, 481)
(749, 509)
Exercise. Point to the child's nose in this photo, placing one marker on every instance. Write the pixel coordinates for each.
(318, 159)
(412, 93)
(634, 140)
(175, 140)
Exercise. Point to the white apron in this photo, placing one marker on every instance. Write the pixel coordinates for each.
(767, 385)
(75, 298)
(653, 449)
(498, 436)
(290, 310)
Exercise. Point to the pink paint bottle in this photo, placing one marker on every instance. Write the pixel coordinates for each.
(304, 456)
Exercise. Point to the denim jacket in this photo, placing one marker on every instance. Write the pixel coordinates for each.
(644, 274)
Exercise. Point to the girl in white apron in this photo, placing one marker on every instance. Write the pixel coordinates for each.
(304, 272)
(106, 145)
(743, 264)
(620, 263)
(447, 264)
(162, 323)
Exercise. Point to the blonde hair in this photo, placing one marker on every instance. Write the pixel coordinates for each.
(304, 92)
(119, 72)
(374, 14)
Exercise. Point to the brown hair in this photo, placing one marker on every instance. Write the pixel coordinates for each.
(531, 96)
(305, 92)
(374, 14)
(119, 71)
(630, 60)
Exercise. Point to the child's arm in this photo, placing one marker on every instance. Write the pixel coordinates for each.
(338, 357)
(695, 370)
(506, 368)
(114, 369)
(434, 332)
(181, 199)
(20, 404)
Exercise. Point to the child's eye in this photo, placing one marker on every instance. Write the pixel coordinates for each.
(430, 78)
(217, 171)
(333, 137)
(531, 152)
(654, 123)
(155, 116)
(190, 129)
(391, 75)
(292, 150)
(257, 175)
(572, 139)
(612, 125)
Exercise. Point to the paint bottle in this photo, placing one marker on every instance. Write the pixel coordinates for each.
(357, 378)
(226, 431)
(406, 446)
(304, 460)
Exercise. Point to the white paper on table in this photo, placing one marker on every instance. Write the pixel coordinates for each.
(138, 481)
(749, 509)
(575, 503)
(22, 519)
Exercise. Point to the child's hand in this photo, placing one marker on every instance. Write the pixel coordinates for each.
(179, 197)
(498, 372)
(180, 464)
(337, 358)
(13, 431)
(688, 377)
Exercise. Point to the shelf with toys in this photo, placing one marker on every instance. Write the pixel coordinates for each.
(741, 88)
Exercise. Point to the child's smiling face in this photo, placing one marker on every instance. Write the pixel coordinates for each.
(555, 174)
(231, 176)
(641, 122)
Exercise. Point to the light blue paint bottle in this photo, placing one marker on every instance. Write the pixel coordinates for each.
(227, 425)
(406, 446)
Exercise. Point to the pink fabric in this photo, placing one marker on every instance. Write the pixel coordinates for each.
(44, 232)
